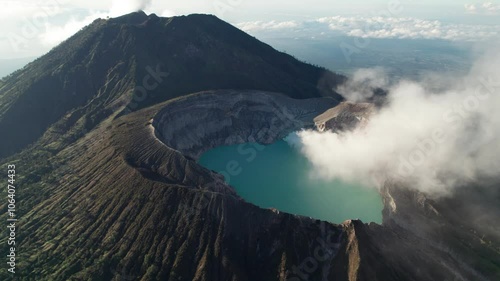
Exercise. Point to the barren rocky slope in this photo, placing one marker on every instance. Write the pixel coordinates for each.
(110, 191)
(141, 60)
(420, 239)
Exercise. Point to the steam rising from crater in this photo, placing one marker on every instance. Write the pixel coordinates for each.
(119, 8)
(433, 139)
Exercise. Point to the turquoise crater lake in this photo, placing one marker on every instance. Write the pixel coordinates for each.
(279, 176)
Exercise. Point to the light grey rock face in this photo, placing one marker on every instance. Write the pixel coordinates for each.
(198, 122)
(344, 116)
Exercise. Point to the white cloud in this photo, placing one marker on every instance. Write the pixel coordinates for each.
(380, 27)
(29, 10)
(122, 7)
(39, 25)
(362, 83)
(270, 25)
(434, 140)
(491, 7)
(55, 34)
(485, 8)
(167, 13)
(470, 8)
(32, 27)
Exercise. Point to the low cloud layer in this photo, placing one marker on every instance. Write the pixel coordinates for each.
(379, 27)
(434, 140)
(55, 34)
(485, 8)
(37, 26)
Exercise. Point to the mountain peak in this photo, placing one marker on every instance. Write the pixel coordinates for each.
(141, 60)
(132, 18)
(140, 17)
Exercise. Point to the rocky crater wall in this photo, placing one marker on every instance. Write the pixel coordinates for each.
(198, 122)
(416, 230)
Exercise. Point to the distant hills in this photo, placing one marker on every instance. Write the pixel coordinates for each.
(7, 66)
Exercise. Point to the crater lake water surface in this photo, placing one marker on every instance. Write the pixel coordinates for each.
(279, 176)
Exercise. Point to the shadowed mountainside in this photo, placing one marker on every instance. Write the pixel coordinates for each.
(105, 194)
(93, 203)
(141, 60)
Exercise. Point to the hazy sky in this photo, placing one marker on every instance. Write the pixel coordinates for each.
(31, 27)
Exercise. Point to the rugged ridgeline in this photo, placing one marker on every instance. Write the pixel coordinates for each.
(94, 73)
(127, 206)
(421, 239)
(110, 194)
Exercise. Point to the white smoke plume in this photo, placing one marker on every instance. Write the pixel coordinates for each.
(362, 83)
(434, 140)
(122, 7)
